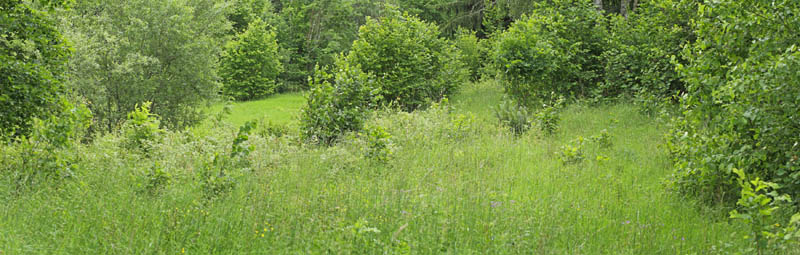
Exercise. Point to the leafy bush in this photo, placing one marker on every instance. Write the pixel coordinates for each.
(250, 64)
(760, 204)
(554, 50)
(32, 60)
(142, 129)
(132, 51)
(407, 58)
(49, 154)
(642, 48)
(740, 111)
(336, 104)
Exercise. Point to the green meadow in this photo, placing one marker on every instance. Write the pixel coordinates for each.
(455, 182)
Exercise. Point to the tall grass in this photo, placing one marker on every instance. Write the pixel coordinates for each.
(456, 183)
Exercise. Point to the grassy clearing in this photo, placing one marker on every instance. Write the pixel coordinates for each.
(280, 109)
(457, 183)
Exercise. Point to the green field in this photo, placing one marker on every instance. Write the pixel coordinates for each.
(451, 186)
(280, 109)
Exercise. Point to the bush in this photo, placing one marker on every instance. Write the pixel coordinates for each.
(336, 103)
(642, 48)
(741, 109)
(554, 50)
(49, 154)
(32, 60)
(250, 64)
(409, 61)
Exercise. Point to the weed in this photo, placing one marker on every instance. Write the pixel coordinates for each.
(572, 153)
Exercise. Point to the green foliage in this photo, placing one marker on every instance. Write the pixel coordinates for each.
(217, 176)
(313, 32)
(740, 111)
(155, 180)
(603, 139)
(250, 65)
(407, 58)
(32, 60)
(127, 52)
(336, 104)
(554, 50)
(760, 203)
(643, 48)
(49, 154)
(515, 117)
(142, 129)
(379, 147)
(571, 154)
(243, 13)
(467, 44)
(546, 118)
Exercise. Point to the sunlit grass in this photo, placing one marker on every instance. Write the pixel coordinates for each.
(474, 190)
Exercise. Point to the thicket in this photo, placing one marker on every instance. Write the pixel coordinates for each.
(741, 106)
(128, 52)
(33, 54)
(644, 47)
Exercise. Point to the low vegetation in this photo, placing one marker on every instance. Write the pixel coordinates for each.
(399, 126)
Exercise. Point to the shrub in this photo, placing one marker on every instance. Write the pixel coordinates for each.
(554, 50)
(336, 103)
(379, 146)
(642, 48)
(217, 176)
(759, 207)
(249, 65)
(740, 111)
(411, 64)
(49, 154)
(32, 60)
(142, 129)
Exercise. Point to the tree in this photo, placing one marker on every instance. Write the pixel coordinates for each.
(129, 52)
(32, 58)
(250, 63)
(408, 59)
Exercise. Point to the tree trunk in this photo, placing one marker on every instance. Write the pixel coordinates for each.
(623, 7)
(598, 4)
